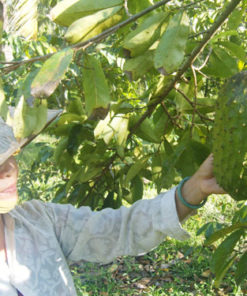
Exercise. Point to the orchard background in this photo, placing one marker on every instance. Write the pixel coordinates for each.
(138, 83)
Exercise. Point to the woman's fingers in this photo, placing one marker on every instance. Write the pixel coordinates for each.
(211, 186)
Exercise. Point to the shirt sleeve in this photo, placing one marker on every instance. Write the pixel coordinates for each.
(102, 236)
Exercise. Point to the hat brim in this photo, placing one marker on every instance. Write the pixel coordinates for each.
(15, 146)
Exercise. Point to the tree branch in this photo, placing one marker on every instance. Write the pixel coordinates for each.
(82, 45)
(189, 61)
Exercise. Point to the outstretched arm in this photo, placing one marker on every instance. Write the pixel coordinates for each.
(198, 187)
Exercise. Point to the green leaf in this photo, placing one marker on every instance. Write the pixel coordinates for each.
(66, 118)
(223, 35)
(78, 192)
(1, 24)
(60, 195)
(122, 107)
(122, 129)
(161, 122)
(146, 130)
(83, 175)
(3, 104)
(108, 23)
(169, 164)
(223, 232)
(136, 188)
(49, 76)
(113, 126)
(88, 173)
(209, 228)
(191, 158)
(23, 18)
(235, 19)
(28, 120)
(139, 40)
(68, 11)
(139, 66)
(135, 6)
(74, 139)
(136, 168)
(59, 151)
(236, 39)
(234, 49)
(171, 49)
(40, 110)
(241, 272)
(79, 29)
(156, 168)
(96, 90)
(224, 251)
(161, 85)
(75, 106)
(221, 64)
(103, 129)
(109, 201)
(224, 268)
(241, 215)
(25, 87)
(74, 177)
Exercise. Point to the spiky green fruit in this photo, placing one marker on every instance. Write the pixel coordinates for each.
(230, 137)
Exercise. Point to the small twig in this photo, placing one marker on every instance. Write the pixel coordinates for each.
(193, 104)
(126, 8)
(198, 34)
(16, 64)
(169, 116)
(185, 96)
(205, 62)
(195, 82)
(204, 75)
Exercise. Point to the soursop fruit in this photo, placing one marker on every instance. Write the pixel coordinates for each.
(230, 137)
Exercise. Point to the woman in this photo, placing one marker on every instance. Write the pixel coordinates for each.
(38, 240)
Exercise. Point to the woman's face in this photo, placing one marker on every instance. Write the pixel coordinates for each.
(8, 180)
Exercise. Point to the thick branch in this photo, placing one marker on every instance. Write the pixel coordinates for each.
(97, 38)
(189, 61)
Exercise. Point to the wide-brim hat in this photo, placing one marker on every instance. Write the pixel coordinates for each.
(9, 145)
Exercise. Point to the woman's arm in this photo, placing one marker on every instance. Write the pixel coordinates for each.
(198, 187)
(103, 235)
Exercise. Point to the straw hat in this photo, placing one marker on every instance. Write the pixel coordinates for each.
(9, 144)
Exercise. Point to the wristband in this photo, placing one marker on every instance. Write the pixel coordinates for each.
(184, 202)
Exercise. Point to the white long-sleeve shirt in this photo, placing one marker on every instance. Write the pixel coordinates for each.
(43, 239)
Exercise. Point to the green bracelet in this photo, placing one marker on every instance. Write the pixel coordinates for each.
(194, 207)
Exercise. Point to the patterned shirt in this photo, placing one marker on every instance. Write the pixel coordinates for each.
(43, 239)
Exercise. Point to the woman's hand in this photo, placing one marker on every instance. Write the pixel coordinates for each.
(205, 177)
(198, 187)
